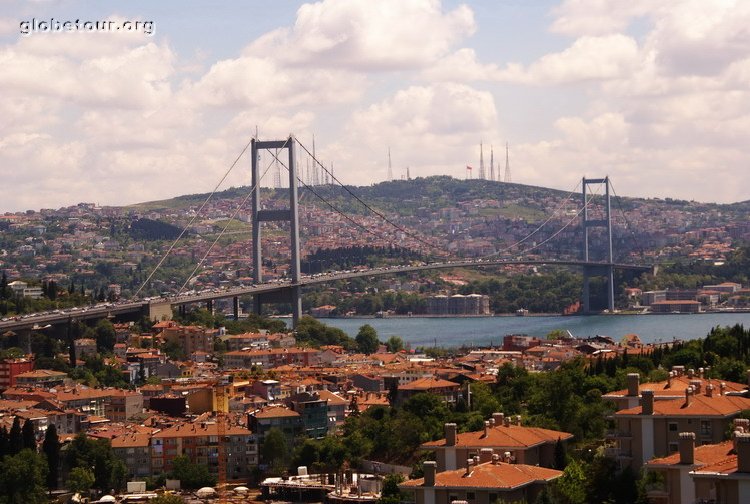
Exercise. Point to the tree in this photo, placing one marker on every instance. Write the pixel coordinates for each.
(105, 335)
(190, 474)
(560, 455)
(28, 438)
(4, 442)
(391, 494)
(15, 438)
(51, 448)
(109, 470)
(22, 478)
(80, 480)
(367, 339)
(394, 344)
(274, 451)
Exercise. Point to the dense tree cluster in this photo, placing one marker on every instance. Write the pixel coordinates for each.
(343, 258)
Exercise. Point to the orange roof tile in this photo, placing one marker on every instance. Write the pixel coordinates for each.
(700, 405)
(489, 475)
(512, 436)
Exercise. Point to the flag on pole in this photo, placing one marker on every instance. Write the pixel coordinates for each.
(469, 167)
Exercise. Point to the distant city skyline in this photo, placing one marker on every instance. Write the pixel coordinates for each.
(653, 94)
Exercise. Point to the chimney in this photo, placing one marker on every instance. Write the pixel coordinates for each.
(469, 463)
(709, 390)
(679, 370)
(495, 458)
(701, 372)
(696, 384)
(506, 421)
(429, 467)
(669, 379)
(450, 434)
(492, 422)
(742, 447)
(691, 372)
(688, 395)
(498, 417)
(687, 447)
(722, 388)
(633, 384)
(485, 455)
(647, 402)
(518, 419)
(508, 457)
(486, 428)
(742, 424)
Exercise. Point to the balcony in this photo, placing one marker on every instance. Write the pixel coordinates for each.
(617, 453)
(618, 434)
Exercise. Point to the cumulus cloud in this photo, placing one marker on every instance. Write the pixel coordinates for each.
(432, 129)
(367, 35)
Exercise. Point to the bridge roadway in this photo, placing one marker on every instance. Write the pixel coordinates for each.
(106, 310)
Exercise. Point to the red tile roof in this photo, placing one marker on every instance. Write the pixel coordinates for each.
(491, 476)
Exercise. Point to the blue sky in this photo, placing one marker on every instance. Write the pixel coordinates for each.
(654, 94)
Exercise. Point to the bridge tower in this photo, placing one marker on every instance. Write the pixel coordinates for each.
(291, 214)
(603, 268)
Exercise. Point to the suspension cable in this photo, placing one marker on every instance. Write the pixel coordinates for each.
(572, 219)
(522, 240)
(637, 244)
(336, 209)
(190, 223)
(236, 211)
(370, 208)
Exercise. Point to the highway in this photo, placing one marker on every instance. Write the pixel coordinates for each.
(105, 310)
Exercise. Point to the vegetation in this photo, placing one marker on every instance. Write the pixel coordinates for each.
(191, 475)
(96, 455)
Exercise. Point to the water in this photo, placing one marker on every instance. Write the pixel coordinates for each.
(452, 332)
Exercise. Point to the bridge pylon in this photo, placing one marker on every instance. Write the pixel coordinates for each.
(597, 269)
(291, 214)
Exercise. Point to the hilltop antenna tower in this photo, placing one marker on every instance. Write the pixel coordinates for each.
(481, 161)
(408, 177)
(507, 165)
(492, 163)
(390, 167)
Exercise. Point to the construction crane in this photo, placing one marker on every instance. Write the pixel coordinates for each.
(221, 408)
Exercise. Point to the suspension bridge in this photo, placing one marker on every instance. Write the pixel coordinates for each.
(289, 289)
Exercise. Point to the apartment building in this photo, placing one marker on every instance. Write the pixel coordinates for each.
(123, 405)
(501, 434)
(11, 368)
(270, 358)
(483, 480)
(713, 473)
(134, 448)
(447, 390)
(199, 441)
(653, 428)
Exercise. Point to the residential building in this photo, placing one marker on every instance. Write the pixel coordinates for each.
(446, 390)
(653, 428)
(501, 434)
(314, 413)
(134, 448)
(199, 441)
(289, 422)
(11, 368)
(484, 480)
(123, 405)
(84, 347)
(41, 378)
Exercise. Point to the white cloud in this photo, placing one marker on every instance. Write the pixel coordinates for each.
(367, 35)
(432, 129)
(600, 17)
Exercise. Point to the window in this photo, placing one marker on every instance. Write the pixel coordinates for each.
(706, 427)
(672, 447)
(470, 496)
(672, 426)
